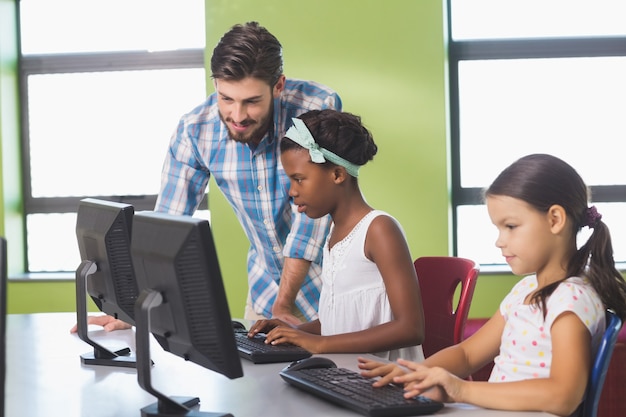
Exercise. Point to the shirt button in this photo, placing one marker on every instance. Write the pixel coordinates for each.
(266, 222)
(276, 249)
(260, 188)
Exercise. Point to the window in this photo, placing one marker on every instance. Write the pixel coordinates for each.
(102, 85)
(529, 76)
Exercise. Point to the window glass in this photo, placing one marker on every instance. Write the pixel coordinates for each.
(493, 19)
(477, 235)
(572, 108)
(113, 128)
(529, 97)
(101, 107)
(64, 26)
(52, 244)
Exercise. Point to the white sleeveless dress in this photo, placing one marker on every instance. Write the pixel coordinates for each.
(353, 295)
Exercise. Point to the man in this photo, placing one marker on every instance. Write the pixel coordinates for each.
(235, 136)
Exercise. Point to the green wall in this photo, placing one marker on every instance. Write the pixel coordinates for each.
(388, 62)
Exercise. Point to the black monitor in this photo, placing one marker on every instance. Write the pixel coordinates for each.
(182, 303)
(103, 231)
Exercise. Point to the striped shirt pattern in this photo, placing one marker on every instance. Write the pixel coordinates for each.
(255, 184)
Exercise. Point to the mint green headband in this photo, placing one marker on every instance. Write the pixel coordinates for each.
(300, 134)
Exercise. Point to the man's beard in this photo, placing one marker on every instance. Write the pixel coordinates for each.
(254, 136)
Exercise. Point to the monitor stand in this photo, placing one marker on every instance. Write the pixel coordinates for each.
(100, 355)
(166, 406)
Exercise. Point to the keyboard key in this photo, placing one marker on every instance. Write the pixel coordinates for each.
(256, 350)
(349, 389)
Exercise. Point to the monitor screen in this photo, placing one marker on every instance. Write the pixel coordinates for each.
(182, 301)
(106, 273)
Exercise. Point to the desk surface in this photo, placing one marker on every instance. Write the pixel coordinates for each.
(45, 377)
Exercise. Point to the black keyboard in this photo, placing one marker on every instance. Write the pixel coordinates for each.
(349, 389)
(256, 350)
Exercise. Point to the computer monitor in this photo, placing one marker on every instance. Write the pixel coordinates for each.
(103, 231)
(182, 303)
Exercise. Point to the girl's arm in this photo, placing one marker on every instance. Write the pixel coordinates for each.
(386, 246)
(472, 353)
(560, 393)
(313, 327)
(461, 360)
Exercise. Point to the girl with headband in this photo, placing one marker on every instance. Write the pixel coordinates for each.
(370, 299)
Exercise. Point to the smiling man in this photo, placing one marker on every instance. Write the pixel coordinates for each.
(235, 137)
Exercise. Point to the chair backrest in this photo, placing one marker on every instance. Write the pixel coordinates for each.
(600, 364)
(438, 277)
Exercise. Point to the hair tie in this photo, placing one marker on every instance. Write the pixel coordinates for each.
(592, 217)
(300, 134)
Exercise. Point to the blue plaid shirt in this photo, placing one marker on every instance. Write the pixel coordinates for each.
(255, 184)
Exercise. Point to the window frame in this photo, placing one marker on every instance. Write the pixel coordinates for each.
(88, 62)
(507, 48)
(67, 63)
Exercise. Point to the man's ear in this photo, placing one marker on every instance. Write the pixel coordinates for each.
(279, 86)
(557, 216)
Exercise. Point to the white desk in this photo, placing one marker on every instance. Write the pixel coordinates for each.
(45, 377)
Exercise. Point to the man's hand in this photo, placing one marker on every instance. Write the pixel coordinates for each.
(109, 323)
(285, 314)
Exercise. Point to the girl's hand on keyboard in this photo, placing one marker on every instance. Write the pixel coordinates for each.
(264, 326)
(434, 382)
(287, 334)
(386, 371)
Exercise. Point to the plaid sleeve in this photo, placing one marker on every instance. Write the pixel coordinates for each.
(184, 177)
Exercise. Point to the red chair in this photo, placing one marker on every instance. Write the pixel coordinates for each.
(438, 277)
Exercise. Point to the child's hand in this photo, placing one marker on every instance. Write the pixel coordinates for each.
(386, 371)
(435, 382)
(264, 326)
(285, 334)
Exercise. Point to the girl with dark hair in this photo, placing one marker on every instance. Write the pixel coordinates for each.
(547, 329)
(370, 300)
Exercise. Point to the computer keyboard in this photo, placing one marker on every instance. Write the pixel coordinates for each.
(256, 350)
(349, 389)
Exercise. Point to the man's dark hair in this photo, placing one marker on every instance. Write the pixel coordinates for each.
(248, 50)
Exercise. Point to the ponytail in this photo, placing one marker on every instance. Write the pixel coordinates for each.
(595, 261)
